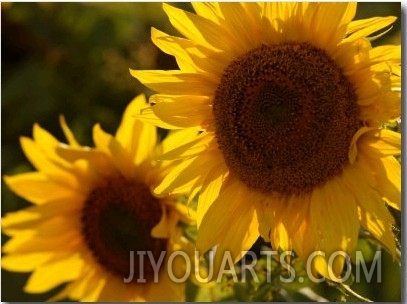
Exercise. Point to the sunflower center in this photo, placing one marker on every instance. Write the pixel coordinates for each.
(285, 117)
(117, 218)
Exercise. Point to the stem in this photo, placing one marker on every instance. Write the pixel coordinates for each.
(353, 293)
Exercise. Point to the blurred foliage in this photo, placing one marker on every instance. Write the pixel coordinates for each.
(73, 59)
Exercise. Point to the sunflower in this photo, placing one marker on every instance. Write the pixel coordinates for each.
(92, 208)
(287, 102)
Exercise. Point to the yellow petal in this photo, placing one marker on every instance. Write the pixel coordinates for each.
(270, 212)
(46, 144)
(187, 172)
(334, 224)
(25, 262)
(372, 213)
(76, 289)
(191, 58)
(280, 237)
(243, 27)
(191, 102)
(183, 114)
(136, 137)
(378, 221)
(36, 157)
(88, 285)
(28, 218)
(161, 230)
(148, 116)
(165, 290)
(210, 65)
(389, 184)
(210, 189)
(230, 221)
(352, 55)
(353, 150)
(383, 109)
(380, 143)
(37, 188)
(45, 140)
(370, 83)
(67, 132)
(175, 82)
(363, 28)
(63, 294)
(119, 156)
(207, 10)
(372, 103)
(116, 290)
(177, 138)
(390, 54)
(281, 218)
(387, 173)
(196, 28)
(53, 273)
(180, 48)
(296, 219)
(278, 18)
(96, 283)
(280, 10)
(60, 171)
(169, 185)
(95, 163)
(59, 223)
(79, 288)
(29, 242)
(349, 13)
(328, 22)
(231, 224)
(185, 214)
(203, 142)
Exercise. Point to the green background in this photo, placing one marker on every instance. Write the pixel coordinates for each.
(74, 59)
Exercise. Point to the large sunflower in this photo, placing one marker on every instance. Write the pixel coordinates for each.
(93, 206)
(289, 100)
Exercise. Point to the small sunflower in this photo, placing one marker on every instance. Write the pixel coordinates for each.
(93, 207)
(287, 103)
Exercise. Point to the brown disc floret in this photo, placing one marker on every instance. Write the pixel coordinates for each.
(285, 116)
(117, 218)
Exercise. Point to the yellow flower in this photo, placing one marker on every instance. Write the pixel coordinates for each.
(93, 207)
(288, 100)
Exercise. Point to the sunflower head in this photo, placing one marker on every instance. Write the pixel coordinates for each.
(283, 106)
(94, 211)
